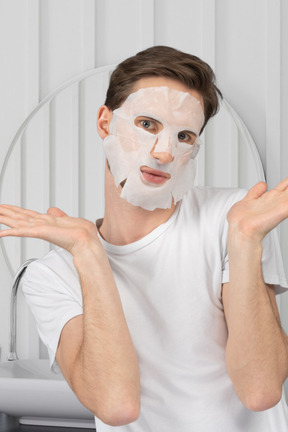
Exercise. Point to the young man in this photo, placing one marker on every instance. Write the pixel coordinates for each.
(163, 317)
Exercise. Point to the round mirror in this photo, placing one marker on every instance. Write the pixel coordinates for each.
(56, 158)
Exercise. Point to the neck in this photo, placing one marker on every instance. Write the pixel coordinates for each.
(124, 223)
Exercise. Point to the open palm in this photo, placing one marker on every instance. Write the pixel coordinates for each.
(260, 211)
(55, 227)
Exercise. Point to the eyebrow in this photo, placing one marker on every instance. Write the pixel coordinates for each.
(149, 118)
(189, 131)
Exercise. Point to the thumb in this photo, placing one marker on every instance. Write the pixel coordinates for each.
(54, 211)
(256, 191)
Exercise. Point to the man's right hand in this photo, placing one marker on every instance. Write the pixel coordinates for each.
(70, 233)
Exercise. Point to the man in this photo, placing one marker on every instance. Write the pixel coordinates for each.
(163, 317)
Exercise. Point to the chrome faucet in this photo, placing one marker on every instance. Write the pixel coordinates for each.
(13, 309)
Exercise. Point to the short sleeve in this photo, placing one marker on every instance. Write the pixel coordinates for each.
(52, 290)
(272, 264)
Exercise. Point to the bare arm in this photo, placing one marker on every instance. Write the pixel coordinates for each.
(95, 352)
(257, 347)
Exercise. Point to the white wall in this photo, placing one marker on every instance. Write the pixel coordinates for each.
(44, 43)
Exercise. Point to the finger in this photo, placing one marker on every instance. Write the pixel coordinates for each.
(8, 233)
(54, 211)
(283, 185)
(8, 209)
(256, 191)
(8, 221)
(18, 221)
(19, 232)
(14, 218)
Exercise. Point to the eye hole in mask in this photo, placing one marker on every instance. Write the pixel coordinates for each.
(148, 124)
(188, 137)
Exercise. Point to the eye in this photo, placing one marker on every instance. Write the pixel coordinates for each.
(146, 124)
(149, 124)
(182, 136)
(187, 137)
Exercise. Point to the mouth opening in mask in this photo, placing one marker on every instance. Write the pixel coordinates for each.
(153, 177)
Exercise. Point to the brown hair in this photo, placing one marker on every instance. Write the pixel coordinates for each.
(165, 62)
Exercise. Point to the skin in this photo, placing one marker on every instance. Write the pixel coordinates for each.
(95, 351)
(257, 347)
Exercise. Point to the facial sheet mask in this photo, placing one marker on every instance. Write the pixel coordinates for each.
(129, 147)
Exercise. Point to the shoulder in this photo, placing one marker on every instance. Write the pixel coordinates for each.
(54, 271)
(214, 194)
(207, 207)
(207, 198)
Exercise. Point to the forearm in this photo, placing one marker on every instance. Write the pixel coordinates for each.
(256, 354)
(105, 373)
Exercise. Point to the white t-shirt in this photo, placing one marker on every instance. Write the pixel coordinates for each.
(170, 286)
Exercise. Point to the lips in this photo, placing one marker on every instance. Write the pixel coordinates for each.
(154, 176)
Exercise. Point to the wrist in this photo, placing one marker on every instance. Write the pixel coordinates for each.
(88, 251)
(243, 242)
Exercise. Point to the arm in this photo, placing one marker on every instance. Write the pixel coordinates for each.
(257, 347)
(95, 352)
(102, 367)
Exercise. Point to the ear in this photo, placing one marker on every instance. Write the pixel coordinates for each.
(103, 121)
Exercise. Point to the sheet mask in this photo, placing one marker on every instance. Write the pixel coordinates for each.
(128, 147)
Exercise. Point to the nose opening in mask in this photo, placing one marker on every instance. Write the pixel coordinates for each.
(162, 145)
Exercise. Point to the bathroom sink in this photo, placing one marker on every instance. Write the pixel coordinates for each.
(31, 391)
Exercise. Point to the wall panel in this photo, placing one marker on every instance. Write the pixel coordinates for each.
(88, 35)
(18, 77)
(241, 61)
(119, 28)
(60, 42)
(178, 24)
